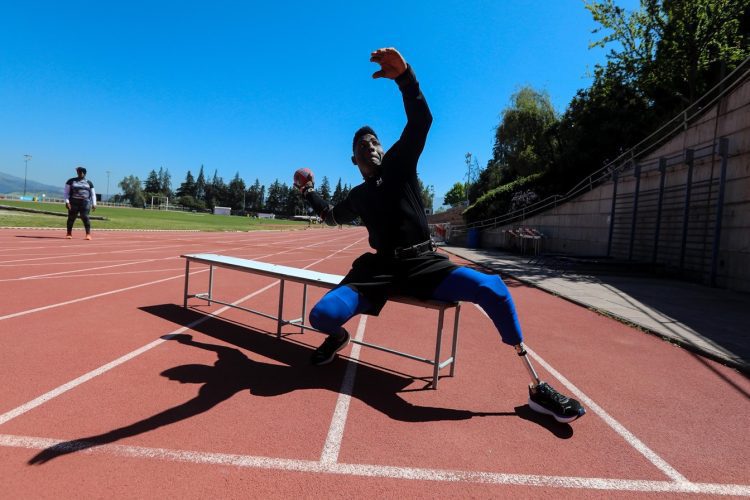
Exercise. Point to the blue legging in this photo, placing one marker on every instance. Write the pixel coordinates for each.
(486, 290)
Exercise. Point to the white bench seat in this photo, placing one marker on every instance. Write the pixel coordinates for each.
(324, 280)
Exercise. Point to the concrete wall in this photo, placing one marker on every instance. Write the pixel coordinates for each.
(578, 227)
(582, 226)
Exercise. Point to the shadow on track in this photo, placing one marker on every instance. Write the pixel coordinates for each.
(234, 372)
(42, 237)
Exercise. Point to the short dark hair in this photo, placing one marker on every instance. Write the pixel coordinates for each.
(359, 133)
(81, 169)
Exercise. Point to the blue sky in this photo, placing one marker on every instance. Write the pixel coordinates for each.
(265, 88)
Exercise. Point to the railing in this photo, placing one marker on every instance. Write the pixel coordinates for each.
(627, 159)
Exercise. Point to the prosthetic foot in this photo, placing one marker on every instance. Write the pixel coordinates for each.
(544, 399)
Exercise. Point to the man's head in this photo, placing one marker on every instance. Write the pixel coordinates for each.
(81, 171)
(367, 152)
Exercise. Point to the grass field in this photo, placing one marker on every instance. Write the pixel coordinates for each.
(134, 218)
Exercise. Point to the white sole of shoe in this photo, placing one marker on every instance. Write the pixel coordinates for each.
(563, 420)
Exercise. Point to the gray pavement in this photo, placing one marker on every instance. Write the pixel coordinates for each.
(709, 321)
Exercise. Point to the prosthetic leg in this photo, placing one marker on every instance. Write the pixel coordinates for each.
(521, 351)
(544, 399)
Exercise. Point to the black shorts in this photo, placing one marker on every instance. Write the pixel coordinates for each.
(378, 277)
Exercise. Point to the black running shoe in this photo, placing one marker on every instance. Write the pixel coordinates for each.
(328, 349)
(544, 399)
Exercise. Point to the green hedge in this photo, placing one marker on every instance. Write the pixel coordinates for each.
(497, 201)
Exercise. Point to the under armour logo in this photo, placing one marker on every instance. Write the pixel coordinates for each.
(379, 181)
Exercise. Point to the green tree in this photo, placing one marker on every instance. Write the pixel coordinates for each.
(428, 195)
(132, 191)
(217, 192)
(337, 193)
(700, 42)
(254, 200)
(455, 195)
(276, 198)
(152, 183)
(523, 143)
(325, 189)
(187, 188)
(294, 204)
(599, 124)
(236, 193)
(165, 182)
(673, 51)
(200, 186)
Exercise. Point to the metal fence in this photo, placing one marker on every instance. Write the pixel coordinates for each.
(670, 220)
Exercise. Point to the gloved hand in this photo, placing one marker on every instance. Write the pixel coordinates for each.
(303, 180)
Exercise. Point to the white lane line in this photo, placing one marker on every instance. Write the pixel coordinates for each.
(102, 369)
(116, 273)
(382, 471)
(103, 294)
(48, 275)
(332, 445)
(628, 436)
(89, 297)
(5, 417)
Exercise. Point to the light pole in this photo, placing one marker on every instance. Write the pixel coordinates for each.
(107, 186)
(26, 159)
(467, 158)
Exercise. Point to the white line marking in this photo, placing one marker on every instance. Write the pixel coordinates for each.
(628, 436)
(384, 471)
(336, 431)
(103, 294)
(60, 304)
(38, 276)
(102, 369)
(117, 273)
(329, 466)
(5, 417)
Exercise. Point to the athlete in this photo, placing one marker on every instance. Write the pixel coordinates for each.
(405, 261)
(80, 198)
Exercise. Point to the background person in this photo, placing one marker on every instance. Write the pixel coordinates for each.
(405, 262)
(80, 198)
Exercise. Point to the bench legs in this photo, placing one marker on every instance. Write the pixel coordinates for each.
(186, 295)
(187, 276)
(456, 314)
(210, 283)
(279, 318)
(438, 344)
(304, 308)
(437, 365)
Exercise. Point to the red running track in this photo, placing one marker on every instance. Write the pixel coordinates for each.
(112, 389)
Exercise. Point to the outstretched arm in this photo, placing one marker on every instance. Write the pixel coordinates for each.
(418, 116)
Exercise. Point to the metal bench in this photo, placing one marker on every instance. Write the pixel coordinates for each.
(323, 280)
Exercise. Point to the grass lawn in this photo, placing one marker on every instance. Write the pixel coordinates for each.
(134, 218)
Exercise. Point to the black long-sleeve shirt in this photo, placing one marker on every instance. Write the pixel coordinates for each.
(390, 204)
